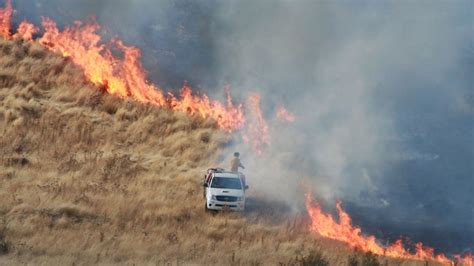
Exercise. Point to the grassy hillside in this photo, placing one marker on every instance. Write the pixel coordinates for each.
(88, 178)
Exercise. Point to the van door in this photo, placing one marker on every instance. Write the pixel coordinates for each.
(208, 187)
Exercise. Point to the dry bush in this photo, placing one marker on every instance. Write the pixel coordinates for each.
(7, 79)
(4, 245)
(369, 259)
(19, 50)
(109, 104)
(313, 259)
(37, 51)
(120, 166)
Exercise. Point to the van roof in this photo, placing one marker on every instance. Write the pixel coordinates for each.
(227, 174)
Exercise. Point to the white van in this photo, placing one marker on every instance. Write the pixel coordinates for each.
(224, 190)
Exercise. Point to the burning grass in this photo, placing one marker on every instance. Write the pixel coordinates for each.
(116, 69)
(87, 178)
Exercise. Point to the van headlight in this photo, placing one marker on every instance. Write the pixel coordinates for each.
(240, 198)
(213, 197)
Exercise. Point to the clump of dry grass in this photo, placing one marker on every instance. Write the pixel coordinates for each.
(4, 245)
(88, 178)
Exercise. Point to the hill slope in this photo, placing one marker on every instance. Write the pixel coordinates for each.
(88, 178)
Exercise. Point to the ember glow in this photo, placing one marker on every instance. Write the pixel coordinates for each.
(343, 230)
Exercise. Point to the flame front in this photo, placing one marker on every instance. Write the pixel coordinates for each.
(467, 260)
(25, 31)
(5, 19)
(343, 230)
(256, 134)
(125, 76)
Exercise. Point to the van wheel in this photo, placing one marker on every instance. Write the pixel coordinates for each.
(205, 207)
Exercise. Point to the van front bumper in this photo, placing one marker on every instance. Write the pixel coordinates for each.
(220, 205)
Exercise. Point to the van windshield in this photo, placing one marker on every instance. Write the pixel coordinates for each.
(225, 182)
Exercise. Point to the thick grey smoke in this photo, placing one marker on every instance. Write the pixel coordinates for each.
(383, 96)
(382, 91)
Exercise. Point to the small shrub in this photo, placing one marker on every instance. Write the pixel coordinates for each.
(4, 246)
(6, 47)
(369, 259)
(95, 99)
(314, 258)
(205, 137)
(16, 161)
(110, 104)
(7, 80)
(37, 52)
(353, 260)
(19, 52)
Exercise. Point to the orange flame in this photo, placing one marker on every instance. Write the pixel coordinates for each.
(343, 230)
(256, 134)
(467, 260)
(126, 77)
(284, 115)
(25, 31)
(5, 19)
(123, 75)
(228, 117)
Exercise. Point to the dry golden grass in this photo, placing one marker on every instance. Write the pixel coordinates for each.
(87, 178)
